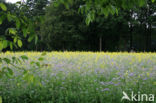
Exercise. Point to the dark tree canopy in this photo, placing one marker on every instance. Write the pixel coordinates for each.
(103, 7)
(116, 25)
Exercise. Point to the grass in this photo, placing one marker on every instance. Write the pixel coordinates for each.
(79, 77)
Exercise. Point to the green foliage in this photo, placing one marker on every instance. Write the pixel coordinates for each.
(12, 31)
(18, 23)
(31, 38)
(24, 57)
(22, 23)
(62, 28)
(103, 7)
(44, 54)
(65, 24)
(41, 59)
(8, 61)
(65, 29)
(9, 72)
(1, 21)
(25, 32)
(0, 99)
(15, 61)
(5, 43)
(20, 26)
(19, 42)
(3, 7)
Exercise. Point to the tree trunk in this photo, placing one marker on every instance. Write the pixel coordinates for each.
(150, 29)
(131, 37)
(131, 33)
(147, 38)
(150, 34)
(100, 43)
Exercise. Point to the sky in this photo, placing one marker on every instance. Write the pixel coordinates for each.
(12, 1)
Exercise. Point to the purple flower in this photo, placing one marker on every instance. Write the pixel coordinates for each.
(106, 89)
(145, 78)
(116, 84)
(131, 74)
(102, 83)
(110, 83)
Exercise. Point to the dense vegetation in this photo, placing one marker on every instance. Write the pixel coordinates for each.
(66, 26)
(77, 25)
(79, 77)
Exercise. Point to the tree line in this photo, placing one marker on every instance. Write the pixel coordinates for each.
(68, 27)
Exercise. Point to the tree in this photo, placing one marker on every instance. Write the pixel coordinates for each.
(16, 23)
(63, 29)
(35, 10)
(37, 7)
(145, 20)
(66, 29)
(104, 7)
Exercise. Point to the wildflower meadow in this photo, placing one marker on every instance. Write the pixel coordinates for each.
(80, 77)
(77, 51)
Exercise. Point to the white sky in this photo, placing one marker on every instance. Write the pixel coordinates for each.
(12, 1)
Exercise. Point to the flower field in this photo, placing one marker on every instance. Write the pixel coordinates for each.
(78, 77)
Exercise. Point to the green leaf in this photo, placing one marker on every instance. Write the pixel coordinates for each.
(15, 39)
(18, 60)
(43, 54)
(12, 31)
(19, 2)
(11, 45)
(36, 39)
(0, 99)
(2, 18)
(25, 72)
(30, 38)
(117, 12)
(0, 60)
(5, 44)
(19, 42)
(18, 23)
(1, 75)
(10, 71)
(28, 77)
(13, 59)
(3, 7)
(3, 69)
(8, 75)
(32, 62)
(40, 59)
(24, 32)
(24, 57)
(1, 45)
(56, 4)
(9, 17)
(8, 61)
(141, 3)
(153, 1)
(1, 21)
(38, 64)
(88, 20)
